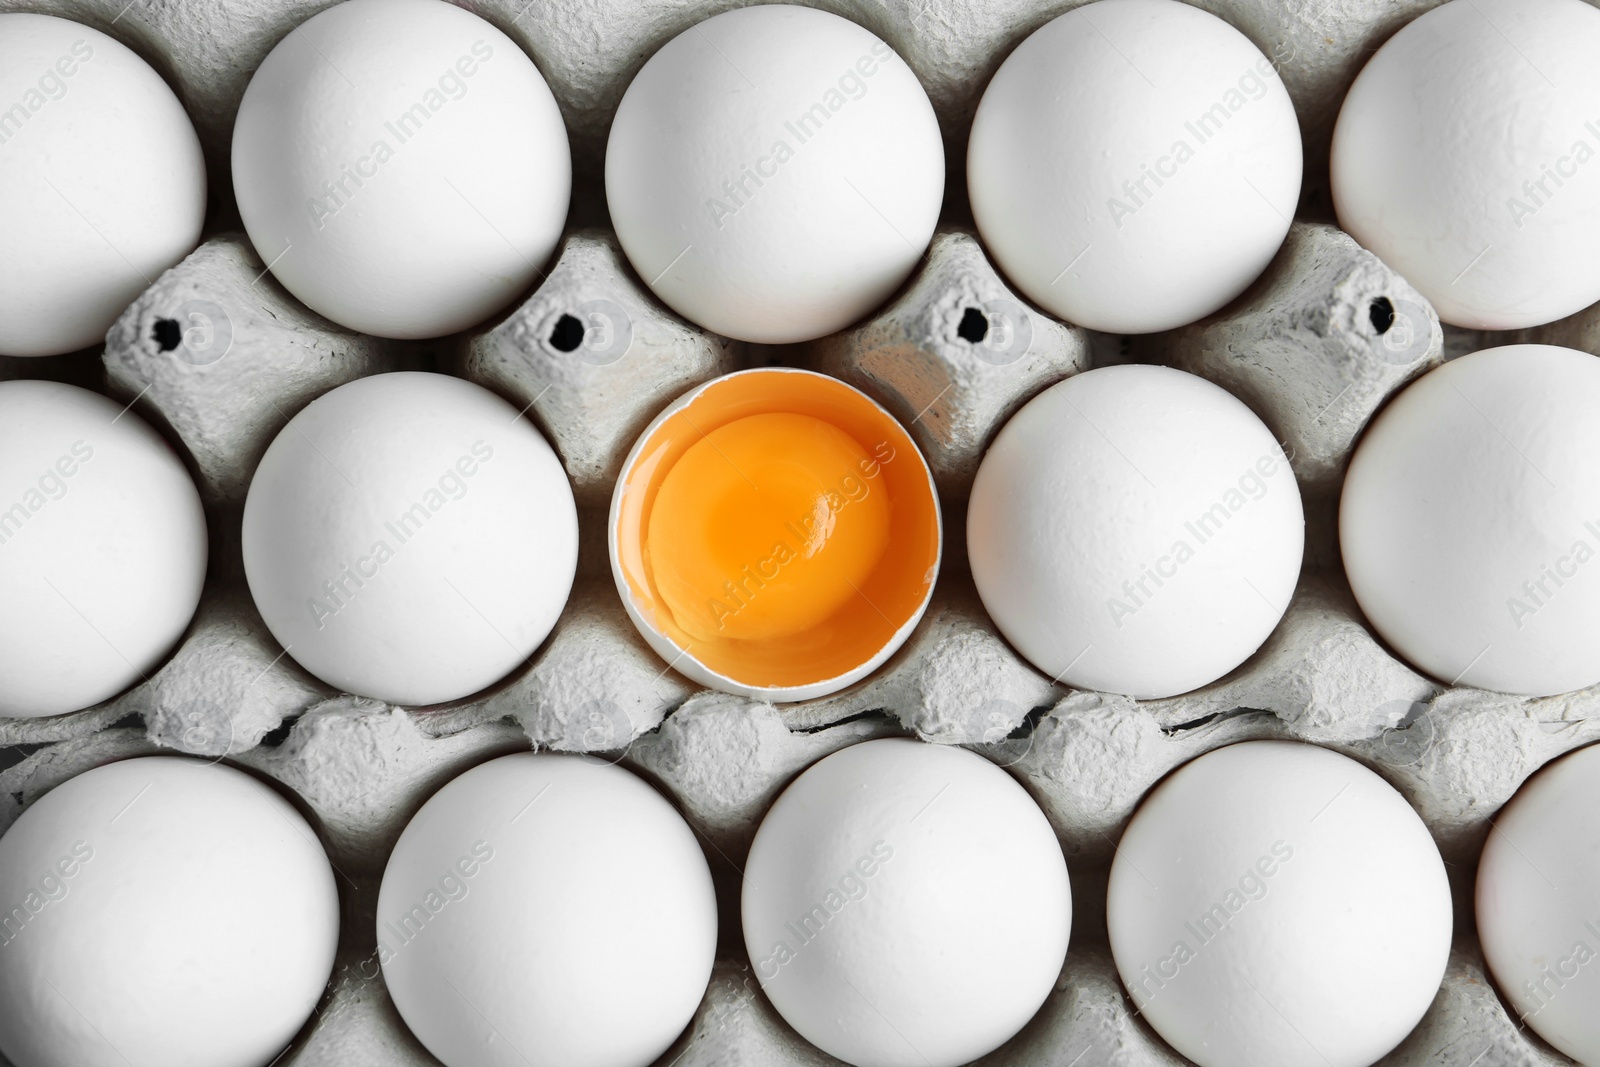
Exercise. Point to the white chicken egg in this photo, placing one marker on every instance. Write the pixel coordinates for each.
(545, 910)
(102, 548)
(410, 537)
(1274, 904)
(1470, 517)
(1538, 903)
(401, 166)
(161, 910)
(774, 173)
(102, 183)
(1134, 165)
(1135, 529)
(1465, 156)
(906, 904)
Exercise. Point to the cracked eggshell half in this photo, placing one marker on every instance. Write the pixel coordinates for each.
(775, 533)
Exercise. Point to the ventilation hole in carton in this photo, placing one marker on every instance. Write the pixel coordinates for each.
(1381, 312)
(275, 737)
(1029, 723)
(168, 334)
(567, 335)
(974, 326)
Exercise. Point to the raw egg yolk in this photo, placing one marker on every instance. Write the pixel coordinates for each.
(766, 527)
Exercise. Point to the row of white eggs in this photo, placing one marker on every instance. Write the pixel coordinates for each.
(776, 172)
(903, 905)
(412, 538)
(1133, 530)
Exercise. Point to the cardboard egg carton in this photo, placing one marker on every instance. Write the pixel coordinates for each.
(219, 356)
(1303, 346)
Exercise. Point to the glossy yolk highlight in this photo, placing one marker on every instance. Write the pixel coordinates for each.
(766, 527)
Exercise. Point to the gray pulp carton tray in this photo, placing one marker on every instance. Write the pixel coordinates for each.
(1314, 347)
